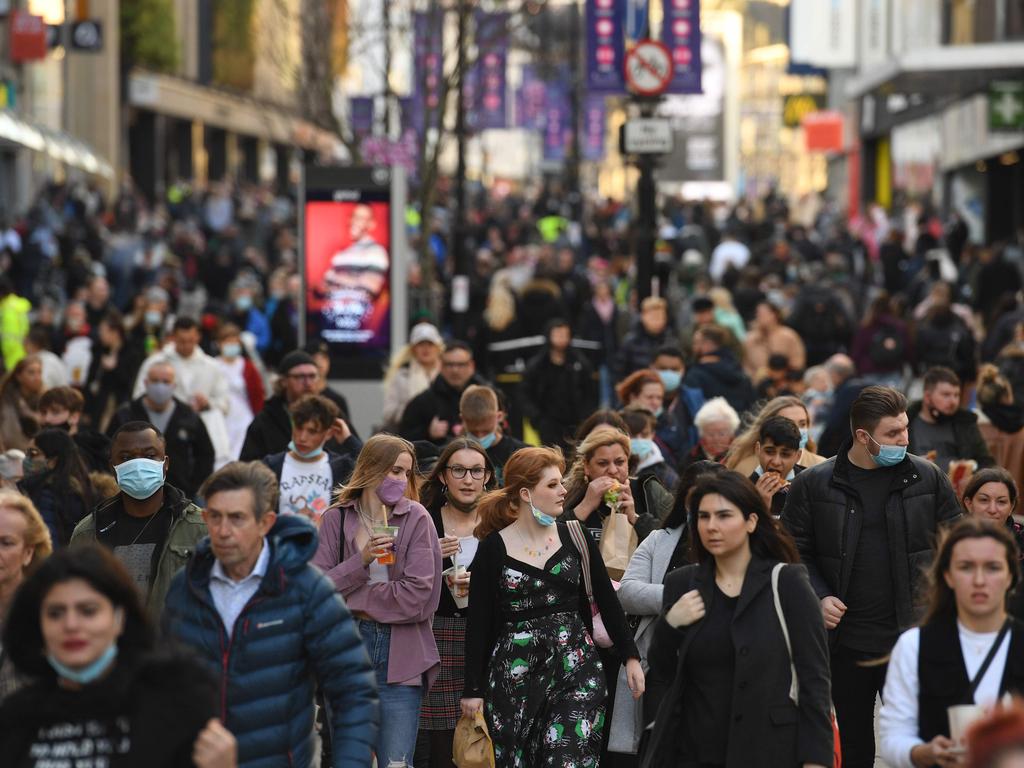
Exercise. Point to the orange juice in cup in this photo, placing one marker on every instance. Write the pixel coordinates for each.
(387, 555)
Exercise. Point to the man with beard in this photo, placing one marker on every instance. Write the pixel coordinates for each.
(940, 429)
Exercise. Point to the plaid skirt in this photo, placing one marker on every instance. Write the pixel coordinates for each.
(440, 710)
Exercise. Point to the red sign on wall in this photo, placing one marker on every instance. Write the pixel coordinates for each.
(28, 36)
(823, 131)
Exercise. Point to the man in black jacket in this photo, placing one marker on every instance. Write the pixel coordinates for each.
(716, 372)
(650, 334)
(940, 429)
(271, 430)
(188, 444)
(559, 390)
(434, 413)
(865, 524)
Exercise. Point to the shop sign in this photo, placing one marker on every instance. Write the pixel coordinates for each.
(1006, 105)
(796, 106)
(28, 36)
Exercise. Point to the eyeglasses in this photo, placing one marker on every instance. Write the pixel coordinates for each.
(477, 473)
(456, 364)
(304, 376)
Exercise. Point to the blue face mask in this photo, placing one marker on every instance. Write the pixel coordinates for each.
(888, 455)
(243, 303)
(140, 478)
(541, 517)
(804, 437)
(232, 349)
(315, 453)
(488, 440)
(87, 674)
(641, 447)
(153, 319)
(671, 380)
(657, 413)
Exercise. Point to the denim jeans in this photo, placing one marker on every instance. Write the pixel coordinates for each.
(399, 704)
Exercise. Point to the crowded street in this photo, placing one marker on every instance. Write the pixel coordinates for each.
(511, 384)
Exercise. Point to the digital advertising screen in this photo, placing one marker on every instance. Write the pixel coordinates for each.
(347, 266)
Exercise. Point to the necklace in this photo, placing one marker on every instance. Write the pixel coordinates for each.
(367, 521)
(533, 552)
(139, 534)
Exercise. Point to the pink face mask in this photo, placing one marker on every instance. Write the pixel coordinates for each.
(391, 489)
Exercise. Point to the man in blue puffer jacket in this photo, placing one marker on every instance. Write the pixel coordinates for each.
(270, 626)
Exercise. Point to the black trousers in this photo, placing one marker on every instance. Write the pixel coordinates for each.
(854, 688)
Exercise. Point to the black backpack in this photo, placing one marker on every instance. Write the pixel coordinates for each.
(887, 348)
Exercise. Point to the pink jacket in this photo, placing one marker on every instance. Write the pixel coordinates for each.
(408, 601)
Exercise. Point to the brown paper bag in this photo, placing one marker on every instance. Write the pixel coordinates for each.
(618, 543)
(472, 747)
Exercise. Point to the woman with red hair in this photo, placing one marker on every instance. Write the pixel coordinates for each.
(531, 663)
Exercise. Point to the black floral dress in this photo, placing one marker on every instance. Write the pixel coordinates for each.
(545, 689)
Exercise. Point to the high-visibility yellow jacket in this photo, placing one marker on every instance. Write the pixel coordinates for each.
(14, 311)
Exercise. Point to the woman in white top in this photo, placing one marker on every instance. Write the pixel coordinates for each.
(245, 387)
(967, 651)
(412, 370)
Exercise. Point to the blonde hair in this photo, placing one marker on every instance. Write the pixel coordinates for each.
(37, 535)
(501, 304)
(743, 445)
(601, 437)
(721, 298)
(993, 388)
(376, 459)
(499, 509)
(477, 403)
(401, 358)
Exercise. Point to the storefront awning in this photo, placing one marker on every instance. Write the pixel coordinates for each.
(949, 70)
(58, 145)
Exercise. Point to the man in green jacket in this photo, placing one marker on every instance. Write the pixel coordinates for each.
(151, 526)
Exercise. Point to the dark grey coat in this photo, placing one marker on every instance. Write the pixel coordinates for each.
(767, 730)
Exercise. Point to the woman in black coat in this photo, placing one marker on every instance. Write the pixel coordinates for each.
(76, 627)
(737, 697)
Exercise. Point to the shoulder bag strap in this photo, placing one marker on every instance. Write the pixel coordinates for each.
(794, 686)
(988, 659)
(576, 533)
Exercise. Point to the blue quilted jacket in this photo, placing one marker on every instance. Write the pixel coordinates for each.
(295, 631)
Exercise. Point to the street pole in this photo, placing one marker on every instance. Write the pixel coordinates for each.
(460, 276)
(387, 68)
(575, 194)
(647, 214)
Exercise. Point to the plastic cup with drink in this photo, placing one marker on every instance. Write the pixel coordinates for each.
(385, 555)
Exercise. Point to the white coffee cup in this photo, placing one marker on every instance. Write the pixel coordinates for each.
(450, 574)
(961, 716)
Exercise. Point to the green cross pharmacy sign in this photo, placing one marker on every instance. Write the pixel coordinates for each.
(1006, 105)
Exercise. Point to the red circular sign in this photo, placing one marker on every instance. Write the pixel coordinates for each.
(649, 68)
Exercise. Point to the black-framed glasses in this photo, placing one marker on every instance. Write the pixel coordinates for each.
(477, 473)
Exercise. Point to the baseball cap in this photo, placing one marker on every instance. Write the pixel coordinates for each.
(425, 332)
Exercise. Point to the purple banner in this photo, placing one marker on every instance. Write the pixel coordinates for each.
(593, 128)
(680, 33)
(606, 46)
(429, 69)
(558, 121)
(361, 116)
(492, 59)
(531, 99)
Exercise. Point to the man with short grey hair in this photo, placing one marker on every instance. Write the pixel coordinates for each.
(271, 627)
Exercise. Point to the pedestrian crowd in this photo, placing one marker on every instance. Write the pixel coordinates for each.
(709, 527)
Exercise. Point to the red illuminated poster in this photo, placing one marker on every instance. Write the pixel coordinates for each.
(348, 268)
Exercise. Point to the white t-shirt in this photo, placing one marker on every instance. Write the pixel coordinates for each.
(305, 487)
(898, 719)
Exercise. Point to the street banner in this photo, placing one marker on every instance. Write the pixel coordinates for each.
(594, 118)
(360, 115)
(680, 33)
(606, 46)
(530, 101)
(492, 60)
(429, 70)
(558, 120)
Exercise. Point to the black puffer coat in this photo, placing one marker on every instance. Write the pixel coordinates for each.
(824, 514)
